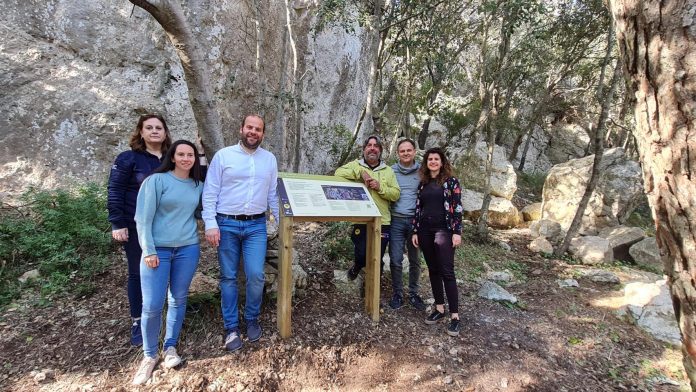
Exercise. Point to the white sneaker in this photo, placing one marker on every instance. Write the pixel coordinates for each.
(171, 358)
(145, 370)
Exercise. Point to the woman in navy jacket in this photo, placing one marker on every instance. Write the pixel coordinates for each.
(149, 142)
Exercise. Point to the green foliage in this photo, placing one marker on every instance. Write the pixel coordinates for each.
(471, 258)
(531, 183)
(642, 217)
(337, 244)
(64, 234)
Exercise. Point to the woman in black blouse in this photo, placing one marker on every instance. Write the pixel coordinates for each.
(437, 230)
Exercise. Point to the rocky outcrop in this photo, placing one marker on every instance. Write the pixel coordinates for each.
(649, 306)
(621, 238)
(76, 75)
(619, 190)
(503, 176)
(591, 250)
(502, 213)
(646, 252)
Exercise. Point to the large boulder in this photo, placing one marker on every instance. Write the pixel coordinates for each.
(591, 250)
(541, 245)
(546, 228)
(502, 214)
(532, 212)
(649, 306)
(503, 176)
(618, 192)
(646, 252)
(621, 238)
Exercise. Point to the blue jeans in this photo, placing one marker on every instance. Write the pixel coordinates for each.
(248, 239)
(401, 232)
(176, 269)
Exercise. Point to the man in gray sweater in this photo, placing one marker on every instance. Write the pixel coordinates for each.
(402, 212)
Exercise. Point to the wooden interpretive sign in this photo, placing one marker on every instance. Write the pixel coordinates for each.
(312, 198)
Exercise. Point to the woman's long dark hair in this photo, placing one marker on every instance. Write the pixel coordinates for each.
(445, 170)
(137, 143)
(167, 164)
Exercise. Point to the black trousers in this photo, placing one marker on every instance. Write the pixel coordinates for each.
(436, 245)
(359, 239)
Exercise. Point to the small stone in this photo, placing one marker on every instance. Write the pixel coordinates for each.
(492, 291)
(537, 272)
(504, 383)
(567, 283)
(499, 276)
(448, 380)
(453, 351)
(505, 246)
(31, 274)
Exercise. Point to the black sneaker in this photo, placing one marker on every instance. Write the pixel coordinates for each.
(396, 302)
(453, 327)
(434, 317)
(353, 272)
(417, 302)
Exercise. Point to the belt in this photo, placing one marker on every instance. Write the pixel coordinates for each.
(243, 217)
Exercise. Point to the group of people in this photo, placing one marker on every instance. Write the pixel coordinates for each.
(156, 187)
(421, 207)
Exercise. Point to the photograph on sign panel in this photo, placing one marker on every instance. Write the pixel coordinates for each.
(338, 192)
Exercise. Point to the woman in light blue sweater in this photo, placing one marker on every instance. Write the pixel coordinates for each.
(168, 236)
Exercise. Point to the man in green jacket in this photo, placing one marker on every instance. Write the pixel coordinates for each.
(381, 182)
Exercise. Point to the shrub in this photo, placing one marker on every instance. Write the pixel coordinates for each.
(65, 234)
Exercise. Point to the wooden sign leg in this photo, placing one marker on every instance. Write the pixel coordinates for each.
(374, 237)
(285, 277)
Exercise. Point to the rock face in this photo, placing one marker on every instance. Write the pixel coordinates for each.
(591, 249)
(503, 176)
(646, 252)
(617, 193)
(501, 212)
(649, 306)
(621, 238)
(76, 76)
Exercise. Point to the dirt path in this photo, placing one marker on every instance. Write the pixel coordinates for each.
(556, 340)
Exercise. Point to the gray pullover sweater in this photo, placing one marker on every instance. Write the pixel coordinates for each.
(408, 182)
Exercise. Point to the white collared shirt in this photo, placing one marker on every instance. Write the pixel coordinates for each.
(240, 183)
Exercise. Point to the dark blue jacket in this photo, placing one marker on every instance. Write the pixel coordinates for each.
(127, 173)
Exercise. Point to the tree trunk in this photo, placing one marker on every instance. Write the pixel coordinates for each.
(658, 46)
(279, 128)
(375, 24)
(523, 158)
(598, 147)
(171, 17)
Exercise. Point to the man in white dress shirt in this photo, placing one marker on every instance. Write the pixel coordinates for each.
(240, 187)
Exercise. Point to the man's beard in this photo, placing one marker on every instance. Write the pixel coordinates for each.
(251, 146)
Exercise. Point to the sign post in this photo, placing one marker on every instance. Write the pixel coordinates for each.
(310, 198)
